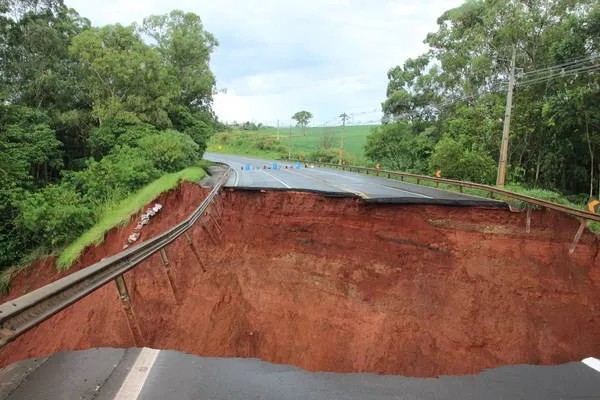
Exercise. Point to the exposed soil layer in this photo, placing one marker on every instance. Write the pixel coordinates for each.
(338, 285)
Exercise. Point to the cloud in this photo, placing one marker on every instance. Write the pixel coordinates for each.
(276, 57)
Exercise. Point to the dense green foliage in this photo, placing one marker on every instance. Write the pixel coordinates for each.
(114, 214)
(89, 115)
(445, 108)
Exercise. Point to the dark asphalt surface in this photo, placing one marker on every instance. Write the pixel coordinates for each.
(368, 187)
(100, 373)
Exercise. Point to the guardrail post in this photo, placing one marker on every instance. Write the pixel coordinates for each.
(164, 260)
(418, 181)
(460, 189)
(582, 225)
(491, 195)
(194, 251)
(402, 178)
(528, 222)
(212, 239)
(216, 224)
(218, 210)
(437, 184)
(388, 176)
(127, 306)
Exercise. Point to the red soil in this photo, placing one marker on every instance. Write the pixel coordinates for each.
(338, 285)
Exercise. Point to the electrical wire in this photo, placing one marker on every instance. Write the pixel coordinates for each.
(581, 70)
(572, 63)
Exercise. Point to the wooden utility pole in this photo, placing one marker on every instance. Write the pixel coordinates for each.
(278, 130)
(290, 144)
(506, 130)
(343, 116)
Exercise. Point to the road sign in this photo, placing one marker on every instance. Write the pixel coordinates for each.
(594, 206)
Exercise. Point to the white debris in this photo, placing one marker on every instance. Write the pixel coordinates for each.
(144, 219)
(133, 237)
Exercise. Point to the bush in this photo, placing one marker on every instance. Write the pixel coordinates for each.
(116, 175)
(325, 155)
(457, 162)
(53, 216)
(396, 146)
(170, 150)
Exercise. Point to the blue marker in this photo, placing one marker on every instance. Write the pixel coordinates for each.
(247, 167)
(297, 164)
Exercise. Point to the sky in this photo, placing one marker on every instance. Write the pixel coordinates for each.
(276, 57)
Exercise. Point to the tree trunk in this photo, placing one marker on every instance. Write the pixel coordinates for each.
(537, 169)
(589, 143)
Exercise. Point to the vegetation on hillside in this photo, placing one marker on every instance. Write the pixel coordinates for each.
(265, 142)
(445, 109)
(89, 115)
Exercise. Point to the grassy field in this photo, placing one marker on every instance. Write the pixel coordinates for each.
(119, 214)
(293, 139)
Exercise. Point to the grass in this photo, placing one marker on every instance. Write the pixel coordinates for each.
(247, 150)
(355, 138)
(120, 213)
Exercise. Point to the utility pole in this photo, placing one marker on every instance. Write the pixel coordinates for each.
(506, 130)
(343, 116)
(278, 130)
(290, 144)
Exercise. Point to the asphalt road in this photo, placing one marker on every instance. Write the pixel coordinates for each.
(253, 173)
(157, 375)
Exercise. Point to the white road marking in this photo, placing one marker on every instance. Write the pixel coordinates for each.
(135, 379)
(277, 179)
(340, 175)
(378, 184)
(406, 191)
(592, 362)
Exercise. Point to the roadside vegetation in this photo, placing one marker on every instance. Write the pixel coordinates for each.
(445, 109)
(94, 122)
(319, 143)
(120, 213)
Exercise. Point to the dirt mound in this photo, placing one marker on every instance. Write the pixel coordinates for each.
(338, 285)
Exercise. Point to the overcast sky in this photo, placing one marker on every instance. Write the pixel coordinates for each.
(276, 57)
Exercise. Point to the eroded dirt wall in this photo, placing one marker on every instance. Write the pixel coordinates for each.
(338, 285)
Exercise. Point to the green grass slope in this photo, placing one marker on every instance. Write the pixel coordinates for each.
(120, 213)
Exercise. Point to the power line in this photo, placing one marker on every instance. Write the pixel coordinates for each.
(581, 70)
(365, 112)
(572, 63)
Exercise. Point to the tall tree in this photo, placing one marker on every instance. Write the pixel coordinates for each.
(302, 119)
(457, 90)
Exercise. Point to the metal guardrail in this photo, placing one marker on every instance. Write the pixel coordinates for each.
(21, 314)
(460, 184)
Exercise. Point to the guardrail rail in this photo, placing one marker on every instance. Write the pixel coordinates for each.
(583, 216)
(461, 184)
(23, 313)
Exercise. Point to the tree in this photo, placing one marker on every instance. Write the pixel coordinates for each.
(397, 147)
(88, 115)
(123, 75)
(185, 48)
(456, 91)
(302, 119)
(457, 161)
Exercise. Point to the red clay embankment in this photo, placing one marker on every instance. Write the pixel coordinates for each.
(338, 285)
